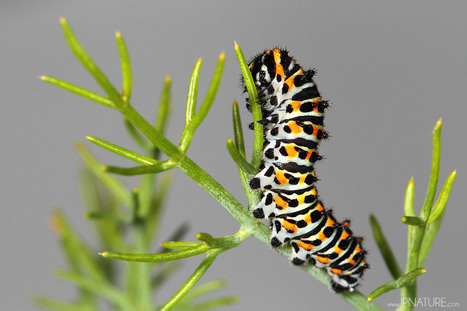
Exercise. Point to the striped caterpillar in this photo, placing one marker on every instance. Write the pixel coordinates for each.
(293, 114)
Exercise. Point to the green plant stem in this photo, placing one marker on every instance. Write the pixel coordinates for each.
(409, 292)
(139, 274)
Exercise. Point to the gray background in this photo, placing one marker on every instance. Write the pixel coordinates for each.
(390, 69)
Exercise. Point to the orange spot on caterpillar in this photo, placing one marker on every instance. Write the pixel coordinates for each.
(291, 151)
(337, 249)
(336, 271)
(319, 207)
(322, 259)
(280, 202)
(321, 236)
(289, 226)
(280, 176)
(344, 235)
(295, 105)
(305, 245)
(290, 82)
(294, 127)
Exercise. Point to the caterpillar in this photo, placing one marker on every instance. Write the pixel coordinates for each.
(293, 115)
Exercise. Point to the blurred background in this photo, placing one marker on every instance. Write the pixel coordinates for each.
(390, 69)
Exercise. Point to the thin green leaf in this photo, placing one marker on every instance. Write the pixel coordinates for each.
(212, 91)
(90, 66)
(114, 185)
(109, 216)
(138, 170)
(202, 248)
(247, 77)
(175, 237)
(384, 248)
(238, 131)
(435, 162)
(127, 80)
(199, 272)
(135, 206)
(206, 238)
(192, 93)
(102, 207)
(409, 211)
(179, 245)
(398, 283)
(239, 159)
(198, 118)
(431, 232)
(409, 198)
(443, 198)
(131, 155)
(79, 91)
(253, 196)
(164, 106)
(256, 108)
(78, 254)
(103, 289)
(413, 220)
(433, 226)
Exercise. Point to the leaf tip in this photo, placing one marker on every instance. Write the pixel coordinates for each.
(118, 34)
(222, 56)
(168, 79)
(438, 126)
(63, 20)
